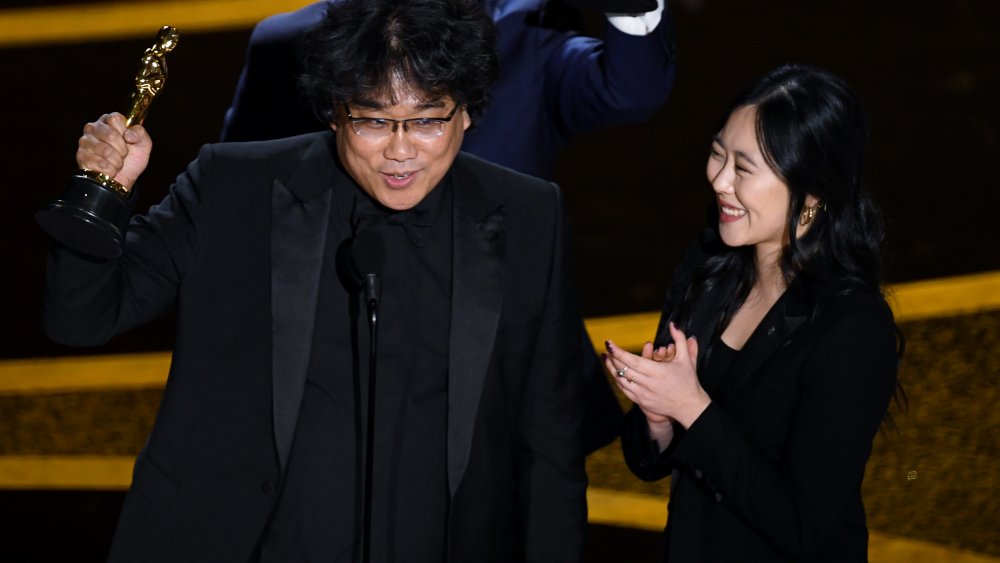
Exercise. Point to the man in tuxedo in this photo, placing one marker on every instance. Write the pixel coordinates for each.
(554, 83)
(257, 450)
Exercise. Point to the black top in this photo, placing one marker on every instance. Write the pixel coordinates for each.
(319, 515)
(719, 356)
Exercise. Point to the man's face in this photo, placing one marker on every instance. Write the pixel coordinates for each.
(399, 168)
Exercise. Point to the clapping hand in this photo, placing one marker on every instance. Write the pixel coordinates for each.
(661, 381)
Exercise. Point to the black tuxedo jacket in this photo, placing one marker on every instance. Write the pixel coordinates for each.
(236, 247)
(772, 469)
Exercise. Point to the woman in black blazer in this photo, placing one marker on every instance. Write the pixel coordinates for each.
(776, 356)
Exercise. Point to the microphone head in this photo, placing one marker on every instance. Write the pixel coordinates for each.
(367, 253)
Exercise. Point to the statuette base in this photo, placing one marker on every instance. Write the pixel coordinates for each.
(89, 217)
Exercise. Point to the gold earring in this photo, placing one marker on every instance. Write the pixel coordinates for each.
(808, 214)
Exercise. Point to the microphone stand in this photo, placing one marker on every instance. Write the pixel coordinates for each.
(371, 302)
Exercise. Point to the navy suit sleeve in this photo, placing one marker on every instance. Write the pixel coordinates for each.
(266, 103)
(88, 301)
(624, 79)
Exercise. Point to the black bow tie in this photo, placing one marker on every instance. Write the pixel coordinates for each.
(415, 222)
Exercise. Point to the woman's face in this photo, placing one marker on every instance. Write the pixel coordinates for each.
(753, 201)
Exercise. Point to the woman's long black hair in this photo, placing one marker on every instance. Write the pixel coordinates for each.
(813, 134)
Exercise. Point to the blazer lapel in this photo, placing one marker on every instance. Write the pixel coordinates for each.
(300, 212)
(705, 316)
(709, 310)
(775, 330)
(777, 327)
(478, 245)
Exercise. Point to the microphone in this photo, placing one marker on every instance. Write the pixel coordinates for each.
(367, 259)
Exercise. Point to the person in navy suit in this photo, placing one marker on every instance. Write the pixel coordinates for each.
(777, 354)
(554, 82)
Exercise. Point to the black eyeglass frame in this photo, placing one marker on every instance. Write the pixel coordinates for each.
(396, 122)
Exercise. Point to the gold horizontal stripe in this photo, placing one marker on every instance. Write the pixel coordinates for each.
(121, 20)
(108, 473)
(911, 301)
(945, 297)
(884, 548)
(626, 510)
(627, 331)
(81, 373)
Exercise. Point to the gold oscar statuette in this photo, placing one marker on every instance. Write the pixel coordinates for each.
(149, 81)
(90, 216)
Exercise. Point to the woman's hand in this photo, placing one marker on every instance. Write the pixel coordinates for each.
(662, 381)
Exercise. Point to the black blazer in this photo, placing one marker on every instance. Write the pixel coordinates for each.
(236, 247)
(772, 469)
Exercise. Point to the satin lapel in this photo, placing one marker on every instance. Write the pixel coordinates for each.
(710, 308)
(478, 245)
(706, 314)
(774, 331)
(300, 214)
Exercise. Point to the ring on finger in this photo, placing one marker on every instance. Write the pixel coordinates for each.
(621, 372)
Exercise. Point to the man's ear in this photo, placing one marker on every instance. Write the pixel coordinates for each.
(466, 119)
(338, 114)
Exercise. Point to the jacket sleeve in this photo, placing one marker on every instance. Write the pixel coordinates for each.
(88, 301)
(551, 477)
(845, 385)
(623, 79)
(642, 454)
(266, 103)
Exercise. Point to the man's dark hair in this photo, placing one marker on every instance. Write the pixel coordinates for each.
(436, 47)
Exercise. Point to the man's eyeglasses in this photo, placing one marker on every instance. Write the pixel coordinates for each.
(423, 128)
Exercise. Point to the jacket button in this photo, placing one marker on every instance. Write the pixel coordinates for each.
(268, 487)
(770, 330)
(718, 497)
(698, 473)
